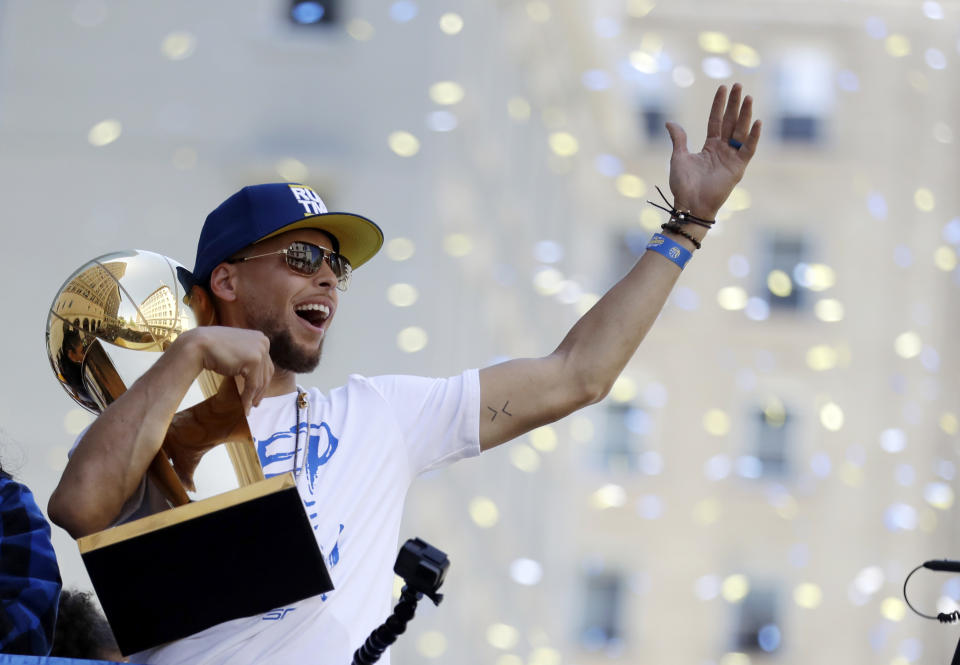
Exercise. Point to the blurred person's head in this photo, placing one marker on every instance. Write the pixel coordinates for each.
(82, 631)
(5, 466)
(71, 348)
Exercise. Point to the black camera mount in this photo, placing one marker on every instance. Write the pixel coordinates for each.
(423, 568)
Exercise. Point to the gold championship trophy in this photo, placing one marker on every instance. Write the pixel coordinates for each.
(199, 563)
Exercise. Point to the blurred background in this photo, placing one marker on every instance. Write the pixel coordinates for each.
(781, 451)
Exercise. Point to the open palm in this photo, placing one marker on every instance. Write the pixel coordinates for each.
(702, 181)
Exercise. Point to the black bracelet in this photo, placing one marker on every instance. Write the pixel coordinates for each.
(685, 217)
(674, 227)
(681, 216)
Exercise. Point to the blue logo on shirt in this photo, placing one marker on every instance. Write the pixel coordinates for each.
(314, 458)
(318, 453)
(334, 557)
(278, 614)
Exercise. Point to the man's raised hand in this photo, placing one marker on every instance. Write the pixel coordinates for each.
(702, 181)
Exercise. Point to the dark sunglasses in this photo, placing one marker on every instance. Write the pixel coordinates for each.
(305, 258)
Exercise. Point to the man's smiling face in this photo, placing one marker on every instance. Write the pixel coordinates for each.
(293, 310)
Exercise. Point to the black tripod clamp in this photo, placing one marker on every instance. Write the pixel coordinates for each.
(423, 568)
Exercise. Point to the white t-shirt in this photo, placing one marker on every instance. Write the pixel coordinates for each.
(367, 442)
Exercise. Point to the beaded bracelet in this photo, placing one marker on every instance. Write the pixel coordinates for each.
(674, 252)
(674, 227)
(681, 216)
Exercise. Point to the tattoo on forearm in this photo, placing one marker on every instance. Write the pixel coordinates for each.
(503, 409)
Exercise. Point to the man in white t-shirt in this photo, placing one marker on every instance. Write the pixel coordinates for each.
(270, 263)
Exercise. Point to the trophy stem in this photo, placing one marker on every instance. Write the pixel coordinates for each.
(242, 452)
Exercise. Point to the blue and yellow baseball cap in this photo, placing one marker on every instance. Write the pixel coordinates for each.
(258, 212)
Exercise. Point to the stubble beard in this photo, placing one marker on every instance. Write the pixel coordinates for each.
(287, 355)
(284, 352)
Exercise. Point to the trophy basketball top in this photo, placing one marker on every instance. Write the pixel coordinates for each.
(130, 299)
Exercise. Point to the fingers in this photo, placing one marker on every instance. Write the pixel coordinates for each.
(266, 369)
(742, 125)
(246, 389)
(255, 378)
(253, 369)
(252, 386)
(678, 137)
(732, 113)
(716, 113)
(750, 145)
(735, 127)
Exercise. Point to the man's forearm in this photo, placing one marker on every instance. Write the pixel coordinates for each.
(113, 455)
(601, 343)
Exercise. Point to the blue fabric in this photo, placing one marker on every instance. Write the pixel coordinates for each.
(45, 660)
(29, 575)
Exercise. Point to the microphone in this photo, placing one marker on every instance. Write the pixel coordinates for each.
(945, 565)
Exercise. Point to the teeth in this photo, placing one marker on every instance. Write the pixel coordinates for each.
(323, 309)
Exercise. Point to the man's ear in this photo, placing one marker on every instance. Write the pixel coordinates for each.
(223, 282)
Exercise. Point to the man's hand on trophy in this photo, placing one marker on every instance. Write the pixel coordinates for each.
(235, 352)
(240, 355)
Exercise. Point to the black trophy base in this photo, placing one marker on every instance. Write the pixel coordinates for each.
(176, 573)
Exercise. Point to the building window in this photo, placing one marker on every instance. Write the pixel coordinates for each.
(653, 120)
(756, 622)
(602, 625)
(313, 12)
(805, 95)
(786, 254)
(799, 128)
(771, 446)
(621, 441)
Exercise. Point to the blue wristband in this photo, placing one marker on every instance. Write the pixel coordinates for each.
(676, 253)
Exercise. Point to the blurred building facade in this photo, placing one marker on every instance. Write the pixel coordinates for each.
(781, 451)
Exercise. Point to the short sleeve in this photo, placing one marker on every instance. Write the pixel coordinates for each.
(439, 418)
(29, 576)
(146, 500)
